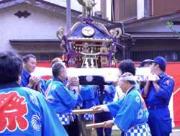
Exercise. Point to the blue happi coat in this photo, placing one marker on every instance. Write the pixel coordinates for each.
(62, 100)
(88, 96)
(129, 111)
(25, 75)
(25, 112)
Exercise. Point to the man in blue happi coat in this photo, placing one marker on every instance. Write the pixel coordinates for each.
(105, 95)
(28, 80)
(157, 95)
(63, 98)
(29, 65)
(88, 99)
(23, 111)
(130, 112)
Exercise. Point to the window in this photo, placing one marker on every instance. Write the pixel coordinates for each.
(169, 55)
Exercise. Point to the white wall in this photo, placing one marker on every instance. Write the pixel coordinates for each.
(41, 24)
(140, 9)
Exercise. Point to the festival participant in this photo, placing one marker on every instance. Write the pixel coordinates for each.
(105, 95)
(56, 59)
(92, 95)
(29, 65)
(88, 99)
(63, 98)
(130, 113)
(157, 95)
(28, 80)
(23, 111)
(126, 65)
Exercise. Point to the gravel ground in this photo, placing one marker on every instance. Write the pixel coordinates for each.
(176, 132)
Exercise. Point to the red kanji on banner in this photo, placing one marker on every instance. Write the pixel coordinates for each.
(13, 109)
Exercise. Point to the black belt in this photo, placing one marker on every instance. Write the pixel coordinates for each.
(154, 107)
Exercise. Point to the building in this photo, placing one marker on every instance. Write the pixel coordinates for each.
(153, 36)
(149, 28)
(128, 9)
(30, 26)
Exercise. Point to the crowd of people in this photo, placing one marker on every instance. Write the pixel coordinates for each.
(30, 105)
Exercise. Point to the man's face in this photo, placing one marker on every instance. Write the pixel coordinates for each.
(63, 74)
(121, 82)
(30, 65)
(123, 85)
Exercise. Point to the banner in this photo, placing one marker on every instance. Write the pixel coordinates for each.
(173, 70)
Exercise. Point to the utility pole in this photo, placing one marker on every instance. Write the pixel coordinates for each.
(68, 15)
(113, 10)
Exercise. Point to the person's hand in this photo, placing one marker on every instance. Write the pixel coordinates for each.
(33, 81)
(99, 108)
(108, 124)
(126, 74)
(73, 81)
(73, 84)
(154, 70)
(96, 108)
